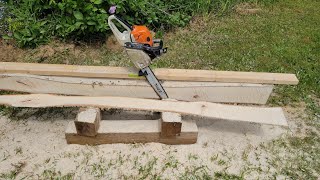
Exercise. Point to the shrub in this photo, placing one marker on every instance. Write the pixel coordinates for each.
(34, 22)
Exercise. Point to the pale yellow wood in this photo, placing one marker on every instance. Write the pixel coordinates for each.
(132, 131)
(226, 76)
(185, 91)
(68, 70)
(162, 74)
(272, 116)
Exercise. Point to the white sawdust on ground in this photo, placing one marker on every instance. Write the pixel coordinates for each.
(39, 148)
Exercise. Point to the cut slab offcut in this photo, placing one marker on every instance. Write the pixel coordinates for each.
(273, 116)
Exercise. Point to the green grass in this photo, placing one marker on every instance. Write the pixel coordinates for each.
(283, 38)
(301, 157)
(52, 174)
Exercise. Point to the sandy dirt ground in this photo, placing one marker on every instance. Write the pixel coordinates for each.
(35, 148)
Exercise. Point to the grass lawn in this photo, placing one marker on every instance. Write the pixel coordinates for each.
(283, 37)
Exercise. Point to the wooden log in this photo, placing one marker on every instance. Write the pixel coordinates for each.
(88, 121)
(274, 116)
(170, 124)
(132, 131)
(185, 91)
(162, 74)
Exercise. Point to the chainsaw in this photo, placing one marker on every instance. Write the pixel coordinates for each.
(141, 48)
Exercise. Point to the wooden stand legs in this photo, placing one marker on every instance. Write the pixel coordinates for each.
(169, 129)
(88, 121)
(170, 124)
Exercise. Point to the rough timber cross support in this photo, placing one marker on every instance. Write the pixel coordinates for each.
(132, 131)
(88, 129)
(170, 124)
(88, 121)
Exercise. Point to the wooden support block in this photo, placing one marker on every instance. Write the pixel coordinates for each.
(88, 121)
(170, 124)
(132, 131)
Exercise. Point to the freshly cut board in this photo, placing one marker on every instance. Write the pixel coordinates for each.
(260, 115)
(162, 74)
(179, 90)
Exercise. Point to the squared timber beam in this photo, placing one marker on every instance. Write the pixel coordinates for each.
(88, 121)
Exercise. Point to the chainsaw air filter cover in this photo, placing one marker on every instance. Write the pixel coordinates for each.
(142, 35)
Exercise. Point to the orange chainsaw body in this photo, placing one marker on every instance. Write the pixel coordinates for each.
(142, 35)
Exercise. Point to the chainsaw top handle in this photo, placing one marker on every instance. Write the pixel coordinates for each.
(112, 11)
(124, 22)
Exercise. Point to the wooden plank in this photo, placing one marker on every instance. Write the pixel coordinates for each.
(184, 91)
(88, 121)
(132, 131)
(170, 124)
(226, 76)
(162, 74)
(272, 116)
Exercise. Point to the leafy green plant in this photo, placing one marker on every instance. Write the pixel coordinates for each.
(34, 22)
(79, 17)
(3, 14)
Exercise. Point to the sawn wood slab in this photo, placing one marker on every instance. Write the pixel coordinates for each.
(179, 90)
(274, 116)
